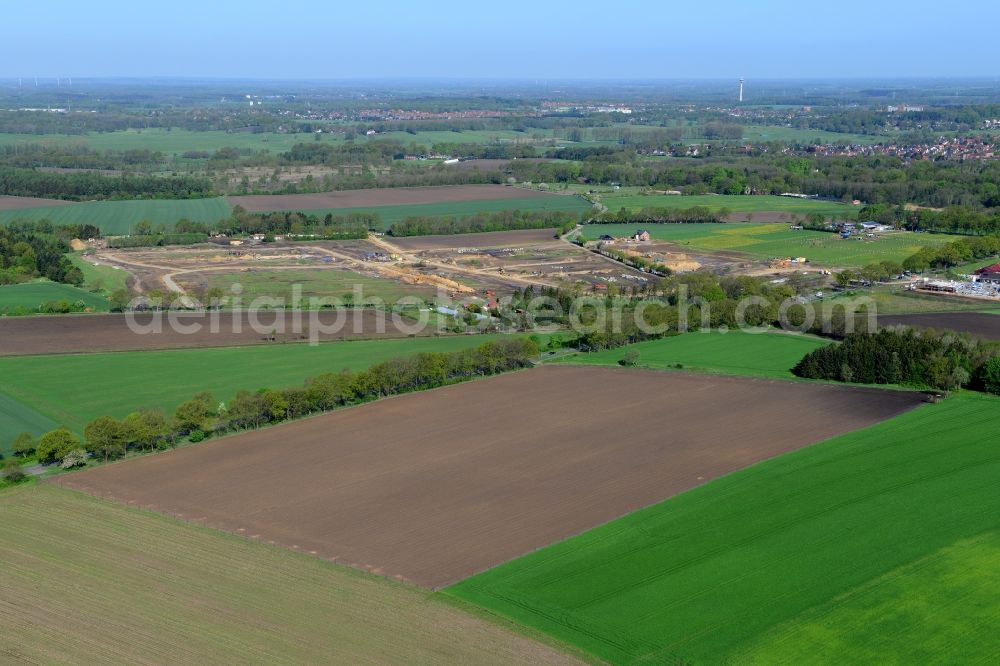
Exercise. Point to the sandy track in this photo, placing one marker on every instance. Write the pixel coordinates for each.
(396, 196)
(433, 487)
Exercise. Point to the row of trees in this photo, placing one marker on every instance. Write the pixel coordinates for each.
(657, 215)
(955, 253)
(951, 220)
(92, 185)
(107, 438)
(904, 356)
(508, 220)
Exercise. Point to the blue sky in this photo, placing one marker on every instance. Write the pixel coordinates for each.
(510, 39)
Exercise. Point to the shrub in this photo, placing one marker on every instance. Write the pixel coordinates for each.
(75, 458)
(196, 436)
(630, 359)
(13, 472)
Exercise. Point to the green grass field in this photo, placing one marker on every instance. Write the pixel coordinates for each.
(736, 204)
(120, 217)
(328, 283)
(73, 389)
(102, 277)
(392, 214)
(838, 551)
(16, 417)
(796, 135)
(88, 581)
(765, 241)
(769, 354)
(30, 295)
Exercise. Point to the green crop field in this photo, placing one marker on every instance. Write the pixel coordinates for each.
(16, 417)
(765, 241)
(879, 546)
(73, 389)
(770, 354)
(736, 204)
(120, 217)
(328, 283)
(392, 214)
(89, 581)
(30, 295)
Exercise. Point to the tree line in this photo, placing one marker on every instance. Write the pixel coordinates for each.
(658, 215)
(26, 254)
(107, 438)
(508, 220)
(961, 251)
(88, 185)
(906, 357)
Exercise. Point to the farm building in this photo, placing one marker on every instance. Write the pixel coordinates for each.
(640, 235)
(989, 274)
(607, 239)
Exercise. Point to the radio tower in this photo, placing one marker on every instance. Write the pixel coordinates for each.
(741, 89)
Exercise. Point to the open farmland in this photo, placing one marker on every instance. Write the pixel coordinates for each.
(171, 142)
(8, 203)
(88, 581)
(765, 241)
(30, 295)
(737, 353)
(874, 546)
(763, 208)
(120, 217)
(375, 198)
(119, 383)
(978, 324)
(407, 488)
(64, 334)
(17, 417)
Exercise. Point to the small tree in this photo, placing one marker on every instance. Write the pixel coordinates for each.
(24, 445)
(13, 472)
(105, 436)
(991, 375)
(53, 446)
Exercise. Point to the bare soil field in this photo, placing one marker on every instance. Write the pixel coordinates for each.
(488, 239)
(435, 486)
(23, 203)
(69, 334)
(397, 196)
(978, 324)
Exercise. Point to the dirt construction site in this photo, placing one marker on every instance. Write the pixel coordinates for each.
(465, 265)
(435, 486)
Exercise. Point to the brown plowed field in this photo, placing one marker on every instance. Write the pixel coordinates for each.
(978, 324)
(69, 334)
(483, 240)
(23, 203)
(395, 196)
(435, 486)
